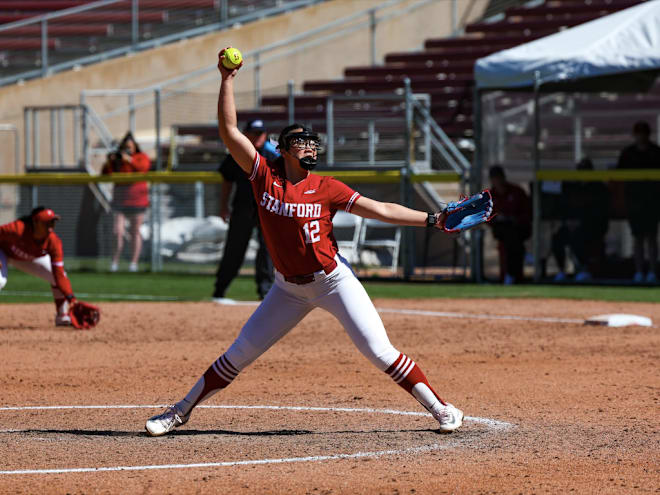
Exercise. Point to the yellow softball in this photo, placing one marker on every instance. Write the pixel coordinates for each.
(233, 58)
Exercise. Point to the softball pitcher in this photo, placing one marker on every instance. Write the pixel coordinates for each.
(296, 209)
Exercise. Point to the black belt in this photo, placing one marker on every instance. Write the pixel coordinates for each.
(306, 279)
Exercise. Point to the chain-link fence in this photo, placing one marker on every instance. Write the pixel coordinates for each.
(190, 236)
(586, 229)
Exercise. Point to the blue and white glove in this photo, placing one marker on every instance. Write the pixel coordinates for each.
(468, 212)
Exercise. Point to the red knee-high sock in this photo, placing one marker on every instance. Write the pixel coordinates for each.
(219, 375)
(407, 374)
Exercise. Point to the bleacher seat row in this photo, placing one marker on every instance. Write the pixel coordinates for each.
(444, 68)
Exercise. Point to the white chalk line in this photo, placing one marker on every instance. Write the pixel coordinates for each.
(445, 314)
(416, 312)
(317, 458)
(491, 423)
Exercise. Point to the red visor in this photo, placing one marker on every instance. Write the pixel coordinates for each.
(46, 216)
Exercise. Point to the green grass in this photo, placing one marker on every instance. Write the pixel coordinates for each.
(194, 287)
(487, 291)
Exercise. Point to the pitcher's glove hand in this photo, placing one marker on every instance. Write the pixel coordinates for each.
(466, 213)
(84, 315)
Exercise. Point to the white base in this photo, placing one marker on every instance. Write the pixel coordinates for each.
(619, 320)
(223, 300)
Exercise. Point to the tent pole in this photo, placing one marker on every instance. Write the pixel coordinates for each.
(476, 237)
(536, 192)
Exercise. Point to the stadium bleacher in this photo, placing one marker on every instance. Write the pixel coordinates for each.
(444, 68)
(100, 29)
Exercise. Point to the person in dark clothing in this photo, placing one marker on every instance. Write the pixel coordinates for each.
(243, 219)
(641, 198)
(585, 225)
(512, 224)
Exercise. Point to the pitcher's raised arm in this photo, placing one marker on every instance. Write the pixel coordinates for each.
(238, 144)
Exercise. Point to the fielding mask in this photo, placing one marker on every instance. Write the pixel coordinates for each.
(301, 141)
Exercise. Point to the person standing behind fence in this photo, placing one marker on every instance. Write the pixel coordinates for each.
(641, 197)
(586, 206)
(129, 201)
(512, 224)
(243, 218)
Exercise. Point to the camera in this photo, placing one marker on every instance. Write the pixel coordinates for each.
(115, 158)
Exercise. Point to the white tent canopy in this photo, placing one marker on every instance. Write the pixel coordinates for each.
(619, 44)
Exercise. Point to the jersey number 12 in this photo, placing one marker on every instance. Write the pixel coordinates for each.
(312, 232)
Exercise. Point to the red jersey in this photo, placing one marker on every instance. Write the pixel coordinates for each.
(135, 195)
(296, 219)
(512, 203)
(17, 242)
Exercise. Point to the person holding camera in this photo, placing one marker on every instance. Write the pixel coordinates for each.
(129, 201)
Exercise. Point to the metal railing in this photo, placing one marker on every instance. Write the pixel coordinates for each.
(498, 122)
(439, 139)
(56, 130)
(169, 88)
(223, 18)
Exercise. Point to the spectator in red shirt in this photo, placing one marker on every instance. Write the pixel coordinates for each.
(31, 245)
(512, 224)
(129, 201)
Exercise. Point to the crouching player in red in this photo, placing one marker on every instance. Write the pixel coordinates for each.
(31, 245)
(296, 209)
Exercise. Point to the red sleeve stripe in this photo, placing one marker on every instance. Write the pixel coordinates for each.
(255, 166)
(58, 263)
(354, 198)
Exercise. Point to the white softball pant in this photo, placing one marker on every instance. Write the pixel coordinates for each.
(339, 292)
(39, 267)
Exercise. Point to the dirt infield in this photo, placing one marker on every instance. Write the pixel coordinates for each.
(582, 403)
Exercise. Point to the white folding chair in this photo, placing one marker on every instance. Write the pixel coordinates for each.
(377, 234)
(346, 228)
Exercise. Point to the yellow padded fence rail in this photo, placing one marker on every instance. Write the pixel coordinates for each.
(352, 176)
(599, 175)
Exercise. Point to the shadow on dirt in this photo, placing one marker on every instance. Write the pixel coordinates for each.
(188, 432)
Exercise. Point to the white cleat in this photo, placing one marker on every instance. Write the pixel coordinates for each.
(164, 423)
(449, 417)
(62, 320)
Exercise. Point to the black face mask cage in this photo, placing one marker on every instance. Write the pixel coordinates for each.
(303, 136)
